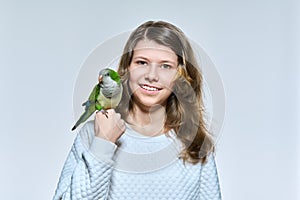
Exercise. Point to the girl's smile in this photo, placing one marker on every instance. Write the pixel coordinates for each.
(150, 89)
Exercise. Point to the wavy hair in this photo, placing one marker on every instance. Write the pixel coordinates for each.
(184, 109)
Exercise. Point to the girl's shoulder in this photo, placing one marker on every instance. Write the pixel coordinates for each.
(87, 133)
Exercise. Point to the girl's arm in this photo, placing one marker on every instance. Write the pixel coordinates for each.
(88, 168)
(209, 182)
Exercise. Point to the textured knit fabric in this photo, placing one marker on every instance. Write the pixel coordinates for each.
(137, 168)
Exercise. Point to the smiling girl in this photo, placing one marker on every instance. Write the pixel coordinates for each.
(155, 145)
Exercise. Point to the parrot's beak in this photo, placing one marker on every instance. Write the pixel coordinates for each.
(100, 79)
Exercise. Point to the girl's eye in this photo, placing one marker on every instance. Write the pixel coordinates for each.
(166, 66)
(140, 62)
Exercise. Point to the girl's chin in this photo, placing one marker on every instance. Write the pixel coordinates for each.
(148, 103)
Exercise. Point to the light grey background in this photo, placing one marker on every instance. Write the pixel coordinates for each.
(254, 44)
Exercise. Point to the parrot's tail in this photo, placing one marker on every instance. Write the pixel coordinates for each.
(74, 127)
(82, 119)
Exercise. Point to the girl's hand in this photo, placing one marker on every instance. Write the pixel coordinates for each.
(109, 127)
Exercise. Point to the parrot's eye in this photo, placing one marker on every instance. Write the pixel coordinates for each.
(107, 74)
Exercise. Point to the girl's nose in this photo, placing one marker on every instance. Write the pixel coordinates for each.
(152, 74)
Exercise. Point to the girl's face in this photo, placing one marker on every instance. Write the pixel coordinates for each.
(152, 72)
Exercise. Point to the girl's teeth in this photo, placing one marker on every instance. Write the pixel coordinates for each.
(149, 88)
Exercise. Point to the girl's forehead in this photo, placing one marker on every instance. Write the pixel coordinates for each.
(148, 45)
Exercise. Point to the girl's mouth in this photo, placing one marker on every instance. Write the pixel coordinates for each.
(150, 88)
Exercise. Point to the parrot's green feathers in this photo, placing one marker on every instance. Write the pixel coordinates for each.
(95, 93)
(114, 76)
(98, 106)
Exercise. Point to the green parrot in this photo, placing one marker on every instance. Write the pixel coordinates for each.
(105, 95)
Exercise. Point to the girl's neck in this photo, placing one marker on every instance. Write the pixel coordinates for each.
(148, 122)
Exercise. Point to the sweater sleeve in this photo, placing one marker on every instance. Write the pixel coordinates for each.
(209, 182)
(88, 168)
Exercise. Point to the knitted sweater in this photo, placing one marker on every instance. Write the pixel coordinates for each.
(137, 168)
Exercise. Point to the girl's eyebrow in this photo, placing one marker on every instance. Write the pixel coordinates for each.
(144, 58)
(140, 57)
(168, 61)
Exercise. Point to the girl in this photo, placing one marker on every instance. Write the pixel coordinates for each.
(155, 145)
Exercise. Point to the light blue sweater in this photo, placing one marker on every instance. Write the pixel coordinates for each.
(137, 168)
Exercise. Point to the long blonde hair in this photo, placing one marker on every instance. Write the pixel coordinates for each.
(184, 109)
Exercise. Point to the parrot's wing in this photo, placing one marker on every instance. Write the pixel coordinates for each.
(94, 94)
(93, 102)
(93, 99)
